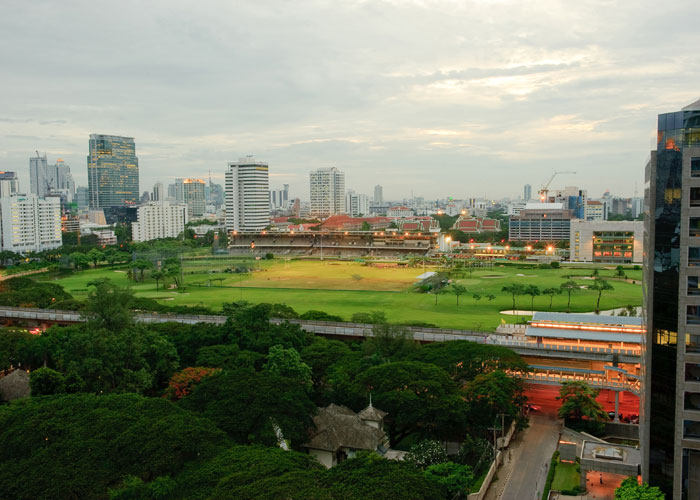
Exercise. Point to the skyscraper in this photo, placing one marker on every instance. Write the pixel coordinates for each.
(113, 171)
(193, 193)
(670, 430)
(378, 195)
(157, 194)
(327, 186)
(37, 175)
(527, 192)
(247, 195)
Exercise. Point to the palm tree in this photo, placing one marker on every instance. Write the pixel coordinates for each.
(533, 291)
(600, 286)
(514, 289)
(569, 287)
(551, 292)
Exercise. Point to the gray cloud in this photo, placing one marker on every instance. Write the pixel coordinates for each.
(435, 96)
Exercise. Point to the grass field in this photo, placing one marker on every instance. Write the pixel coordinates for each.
(344, 288)
(566, 477)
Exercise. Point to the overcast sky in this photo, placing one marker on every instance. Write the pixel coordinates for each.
(442, 98)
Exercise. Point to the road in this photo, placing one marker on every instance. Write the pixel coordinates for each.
(523, 475)
(545, 396)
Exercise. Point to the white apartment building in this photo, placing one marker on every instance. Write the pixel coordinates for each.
(610, 242)
(327, 186)
(595, 210)
(193, 192)
(30, 224)
(357, 204)
(247, 195)
(399, 211)
(159, 220)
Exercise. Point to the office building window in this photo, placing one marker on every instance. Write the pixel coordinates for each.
(692, 401)
(691, 429)
(695, 167)
(693, 288)
(694, 229)
(693, 315)
(692, 372)
(694, 256)
(695, 196)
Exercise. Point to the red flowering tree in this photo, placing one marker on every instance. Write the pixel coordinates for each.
(183, 382)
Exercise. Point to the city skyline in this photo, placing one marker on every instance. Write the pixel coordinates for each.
(479, 101)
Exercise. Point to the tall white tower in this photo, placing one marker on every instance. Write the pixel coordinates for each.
(247, 195)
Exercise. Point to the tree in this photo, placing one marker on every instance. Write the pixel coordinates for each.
(183, 382)
(172, 270)
(157, 275)
(630, 489)
(514, 289)
(533, 291)
(436, 292)
(458, 290)
(578, 401)
(389, 342)
(94, 441)
(620, 272)
(244, 403)
(80, 260)
(421, 399)
(142, 265)
(287, 363)
(600, 286)
(492, 394)
(551, 292)
(426, 453)
(476, 297)
(365, 226)
(95, 256)
(109, 306)
(455, 478)
(45, 381)
(569, 287)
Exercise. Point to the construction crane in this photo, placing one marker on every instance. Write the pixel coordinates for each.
(544, 190)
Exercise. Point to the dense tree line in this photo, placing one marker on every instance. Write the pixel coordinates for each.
(141, 390)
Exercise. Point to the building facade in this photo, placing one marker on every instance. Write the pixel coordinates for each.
(30, 224)
(193, 192)
(159, 220)
(378, 195)
(113, 171)
(247, 198)
(356, 204)
(279, 198)
(670, 431)
(540, 222)
(327, 187)
(527, 192)
(9, 184)
(610, 242)
(595, 210)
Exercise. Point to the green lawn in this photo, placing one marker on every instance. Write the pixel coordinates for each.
(566, 477)
(343, 288)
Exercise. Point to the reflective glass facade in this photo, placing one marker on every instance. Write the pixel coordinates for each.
(671, 297)
(113, 171)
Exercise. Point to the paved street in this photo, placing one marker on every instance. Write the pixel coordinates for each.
(522, 476)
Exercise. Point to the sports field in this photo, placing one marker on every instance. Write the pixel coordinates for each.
(344, 288)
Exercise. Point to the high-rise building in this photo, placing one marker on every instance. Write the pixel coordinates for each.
(37, 175)
(9, 184)
(159, 219)
(670, 430)
(113, 171)
(82, 196)
(279, 198)
(327, 192)
(247, 195)
(527, 192)
(357, 204)
(193, 192)
(30, 223)
(378, 195)
(157, 193)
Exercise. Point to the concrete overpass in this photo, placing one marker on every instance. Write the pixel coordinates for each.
(519, 344)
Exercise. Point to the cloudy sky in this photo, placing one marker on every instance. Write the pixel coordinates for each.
(459, 98)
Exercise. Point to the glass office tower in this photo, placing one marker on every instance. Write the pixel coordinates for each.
(670, 432)
(113, 171)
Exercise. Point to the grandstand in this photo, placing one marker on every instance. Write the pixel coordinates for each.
(334, 243)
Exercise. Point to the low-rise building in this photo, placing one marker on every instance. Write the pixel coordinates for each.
(159, 220)
(540, 222)
(30, 224)
(468, 224)
(595, 210)
(613, 242)
(399, 211)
